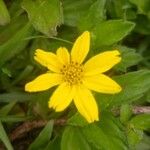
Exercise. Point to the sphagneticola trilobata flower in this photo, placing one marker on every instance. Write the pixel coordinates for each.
(76, 78)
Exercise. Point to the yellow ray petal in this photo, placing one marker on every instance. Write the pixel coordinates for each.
(63, 55)
(48, 60)
(81, 47)
(43, 82)
(102, 62)
(101, 83)
(86, 104)
(62, 97)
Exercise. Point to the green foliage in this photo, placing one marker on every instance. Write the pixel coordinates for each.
(26, 25)
(94, 15)
(108, 127)
(4, 138)
(134, 84)
(143, 6)
(6, 109)
(129, 58)
(77, 120)
(73, 138)
(43, 138)
(16, 44)
(74, 10)
(116, 29)
(44, 15)
(141, 121)
(125, 113)
(3, 135)
(4, 14)
(134, 137)
(144, 144)
(55, 144)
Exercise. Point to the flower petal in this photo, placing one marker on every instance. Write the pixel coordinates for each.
(62, 97)
(101, 83)
(102, 62)
(86, 104)
(81, 47)
(63, 55)
(43, 82)
(48, 60)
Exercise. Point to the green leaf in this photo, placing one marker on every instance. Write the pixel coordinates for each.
(45, 15)
(125, 113)
(24, 74)
(141, 121)
(4, 14)
(121, 9)
(95, 14)
(144, 144)
(116, 29)
(129, 58)
(41, 100)
(101, 139)
(6, 71)
(134, 86)
(43, 138)
(55, 144)
(107, 128)
(13, 118)
(15, 96)
(6, 32)
(142, 5)
(15, 45)
(75, 10)
(73, 139)
(112, 126)
(7, 108)
(4, 138)
(142, 25)
(134, 136)
(77, 120)
(109, 125)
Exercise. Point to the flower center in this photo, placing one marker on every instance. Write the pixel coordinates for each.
(72, 73)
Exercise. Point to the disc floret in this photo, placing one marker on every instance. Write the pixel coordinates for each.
(72, 73)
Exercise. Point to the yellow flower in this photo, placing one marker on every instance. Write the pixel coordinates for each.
(75, 78)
